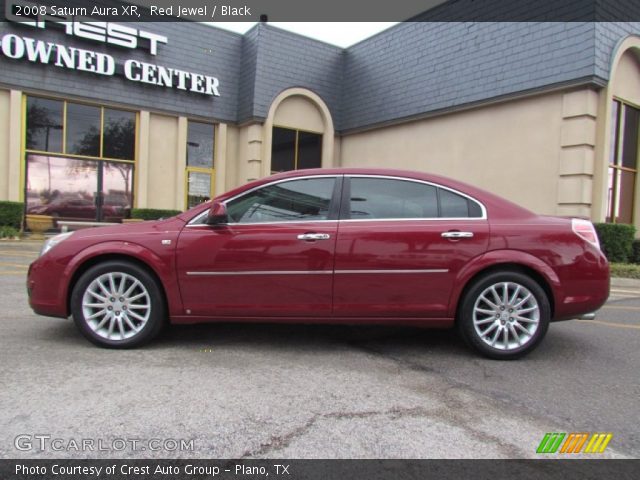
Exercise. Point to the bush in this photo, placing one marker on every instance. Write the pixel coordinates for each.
(616, 240)
(11, 214)
(152, 213)
(8, 232)
(635, 251)
(625, 270)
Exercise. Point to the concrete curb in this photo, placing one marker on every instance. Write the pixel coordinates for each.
(625, 282)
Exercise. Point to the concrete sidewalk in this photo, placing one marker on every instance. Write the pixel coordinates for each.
(617, 282)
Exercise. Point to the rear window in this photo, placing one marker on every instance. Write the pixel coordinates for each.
(453, 205)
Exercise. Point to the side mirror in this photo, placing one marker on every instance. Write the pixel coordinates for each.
(217, 214)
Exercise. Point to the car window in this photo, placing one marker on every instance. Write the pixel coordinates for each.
(453, 205)
(385, 198)
(294, 200)
(374, 198)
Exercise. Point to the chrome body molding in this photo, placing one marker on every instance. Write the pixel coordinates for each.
(318, 272)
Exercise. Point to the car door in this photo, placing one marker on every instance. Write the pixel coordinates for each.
(274, 257)
(401, 244)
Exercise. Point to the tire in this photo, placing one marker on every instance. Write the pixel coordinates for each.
(117, 304)
(504, 330)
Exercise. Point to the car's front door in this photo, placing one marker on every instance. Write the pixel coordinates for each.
(273, 258)
(400, 246)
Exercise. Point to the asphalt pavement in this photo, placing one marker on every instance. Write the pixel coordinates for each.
(300, 391)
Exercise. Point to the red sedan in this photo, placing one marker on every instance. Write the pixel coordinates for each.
(331, 246)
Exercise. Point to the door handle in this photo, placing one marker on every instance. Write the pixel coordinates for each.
(309, 237)
(457, 235)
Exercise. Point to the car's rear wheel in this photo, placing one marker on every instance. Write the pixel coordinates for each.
(118, 304)
(504, 315)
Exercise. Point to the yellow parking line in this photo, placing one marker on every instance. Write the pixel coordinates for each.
(11, 272)
(617, 290)
(621, 307)
(610, 324)
(10, 253)
(19, 265)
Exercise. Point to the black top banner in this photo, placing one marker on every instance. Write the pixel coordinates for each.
(317, 469)
(327, 10)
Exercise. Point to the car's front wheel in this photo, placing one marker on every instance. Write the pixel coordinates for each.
(504, 315)
(118, 304)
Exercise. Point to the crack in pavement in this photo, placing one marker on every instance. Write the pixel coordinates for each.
(278, 442)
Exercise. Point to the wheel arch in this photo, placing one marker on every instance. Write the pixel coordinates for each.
(508, 266)
(90, 262)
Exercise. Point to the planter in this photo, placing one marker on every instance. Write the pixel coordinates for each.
(38, 224)
(132, 220)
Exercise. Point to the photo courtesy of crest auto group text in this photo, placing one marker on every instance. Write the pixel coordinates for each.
(249, 239)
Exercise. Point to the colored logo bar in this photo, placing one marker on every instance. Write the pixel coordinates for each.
(574, 442)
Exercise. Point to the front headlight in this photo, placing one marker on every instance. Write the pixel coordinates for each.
(53, 241)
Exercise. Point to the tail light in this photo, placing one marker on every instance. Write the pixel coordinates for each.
(585, 230)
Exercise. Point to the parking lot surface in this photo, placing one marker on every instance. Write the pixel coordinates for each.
(299, 391)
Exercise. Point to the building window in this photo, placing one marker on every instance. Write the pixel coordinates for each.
(79, 160)
(623, 163)
(295, 149)
(200, 166)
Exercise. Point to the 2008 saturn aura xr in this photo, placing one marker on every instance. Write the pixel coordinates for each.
(332, 245)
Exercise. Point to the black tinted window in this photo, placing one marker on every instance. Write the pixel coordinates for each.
(373, 198)
(294, 200)
(453, 205)
(44, 124)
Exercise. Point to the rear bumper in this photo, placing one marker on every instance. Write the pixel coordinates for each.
(586, 285)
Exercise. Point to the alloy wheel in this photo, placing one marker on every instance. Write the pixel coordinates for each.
(506, 316)
(116, 306)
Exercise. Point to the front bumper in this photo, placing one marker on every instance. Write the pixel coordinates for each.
(44, 281)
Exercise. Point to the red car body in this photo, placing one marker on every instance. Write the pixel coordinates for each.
(375, 271)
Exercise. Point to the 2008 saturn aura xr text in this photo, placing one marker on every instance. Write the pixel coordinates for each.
(332, 245)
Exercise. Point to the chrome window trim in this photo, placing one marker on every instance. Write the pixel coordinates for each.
(275, 182)
(354, 175)
(413, 219)
(288, 222)
(425, 182)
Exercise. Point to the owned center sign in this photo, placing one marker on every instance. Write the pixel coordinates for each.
(18, 47)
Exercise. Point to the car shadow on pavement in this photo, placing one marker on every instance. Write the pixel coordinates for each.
(316, 337)
(560, 344)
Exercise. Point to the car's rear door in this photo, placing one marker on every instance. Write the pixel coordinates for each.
(400, 246)
(273, 258)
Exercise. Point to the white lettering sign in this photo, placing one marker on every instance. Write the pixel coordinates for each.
(71, 58)
(38, 16)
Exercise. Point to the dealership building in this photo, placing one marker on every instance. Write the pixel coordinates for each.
(98, 118)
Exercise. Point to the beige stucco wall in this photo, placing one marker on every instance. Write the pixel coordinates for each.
(159, 169)
(4, 144)
(627, 80)
(511, 148)
(232, 160)
(11, 185)
(300, 113)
